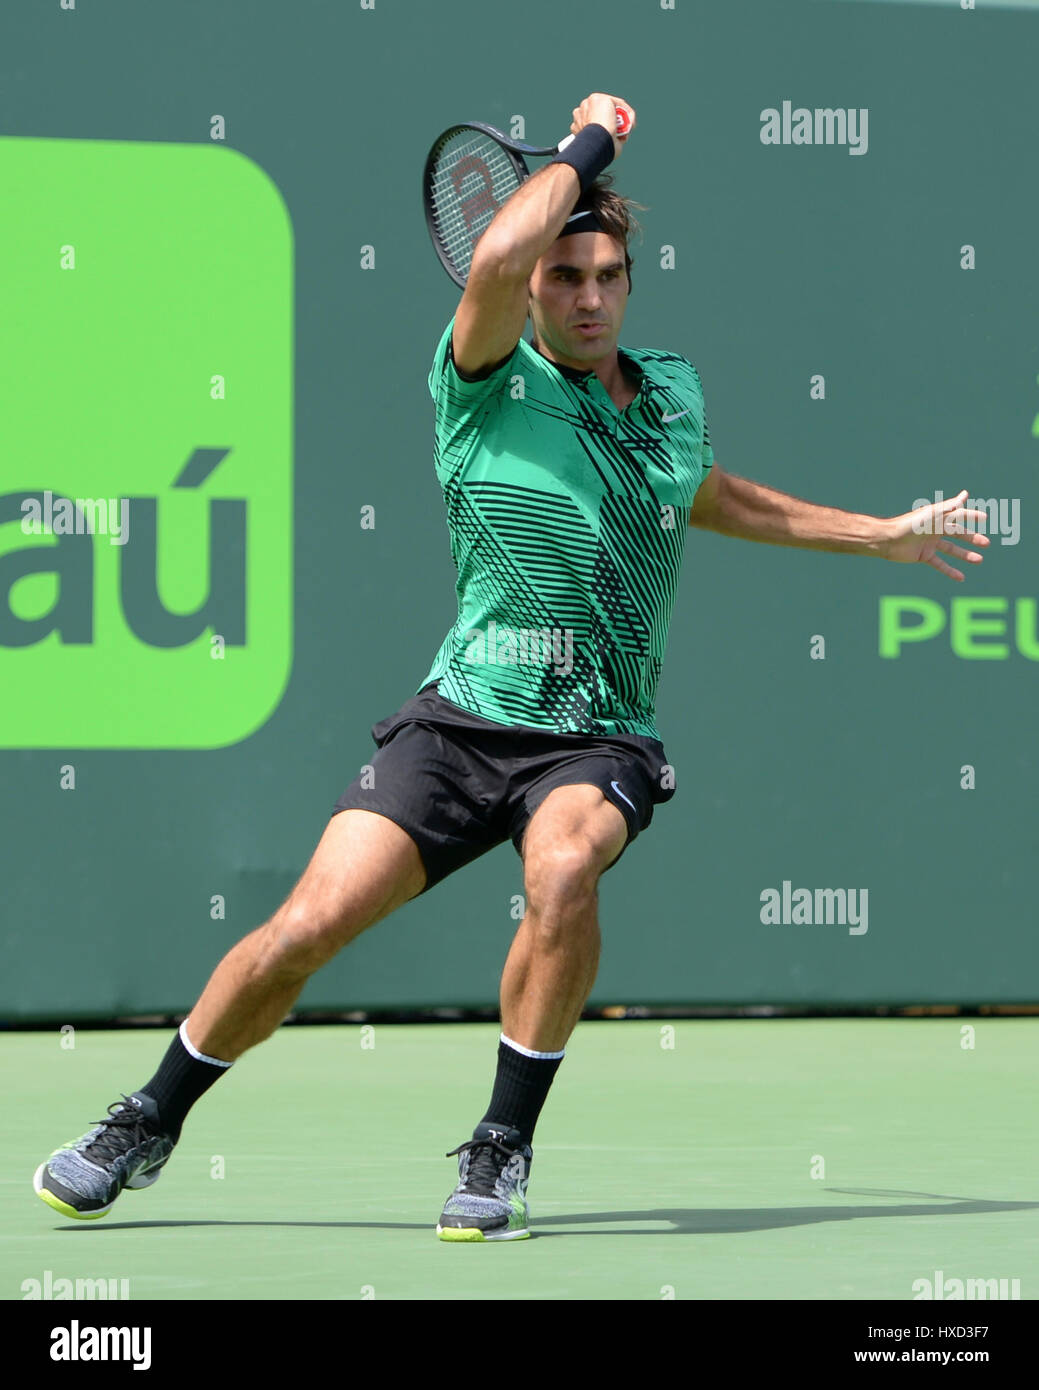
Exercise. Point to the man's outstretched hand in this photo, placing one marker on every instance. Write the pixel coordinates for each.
(921, 536)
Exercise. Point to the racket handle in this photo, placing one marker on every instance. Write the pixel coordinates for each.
(623, 126)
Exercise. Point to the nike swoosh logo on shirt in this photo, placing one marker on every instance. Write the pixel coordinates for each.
(666, 419)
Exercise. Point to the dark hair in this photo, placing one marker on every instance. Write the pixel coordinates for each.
(615, 213)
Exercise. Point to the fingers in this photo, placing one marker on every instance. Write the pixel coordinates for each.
(953, 519)
(971, 557)
(947, 548)
(619, 104)
(951, 510)
(949, 502)
(953, 525)
(602, 109)
(950, 505)
(937, 563)
(598, 107)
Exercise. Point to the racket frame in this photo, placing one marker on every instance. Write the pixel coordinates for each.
(514, 150)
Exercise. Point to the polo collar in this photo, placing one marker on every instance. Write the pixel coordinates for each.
(574, 374)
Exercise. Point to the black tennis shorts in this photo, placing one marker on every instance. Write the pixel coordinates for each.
(460, 785)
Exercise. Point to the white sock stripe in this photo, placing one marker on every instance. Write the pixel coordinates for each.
(541, 1056)
(199, 1056)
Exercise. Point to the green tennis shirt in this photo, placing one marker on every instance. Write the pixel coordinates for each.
(567, 520)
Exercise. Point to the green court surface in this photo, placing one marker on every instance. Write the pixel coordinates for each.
(660, 1170)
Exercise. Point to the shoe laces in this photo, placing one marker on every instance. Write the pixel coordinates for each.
(487, 1158)
(124, 1128)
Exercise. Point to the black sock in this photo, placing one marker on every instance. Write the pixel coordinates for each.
(521, 1087)
(182, 1077)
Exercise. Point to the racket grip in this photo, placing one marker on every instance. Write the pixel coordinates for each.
(623, 126)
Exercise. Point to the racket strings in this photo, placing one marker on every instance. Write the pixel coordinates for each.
(470, 177)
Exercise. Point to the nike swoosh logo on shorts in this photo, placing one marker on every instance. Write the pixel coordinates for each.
(666, 419)
(631, 803)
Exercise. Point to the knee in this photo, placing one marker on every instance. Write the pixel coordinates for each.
(561, 882)
(300, 939)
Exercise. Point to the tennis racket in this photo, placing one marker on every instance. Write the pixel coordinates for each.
(470, 171)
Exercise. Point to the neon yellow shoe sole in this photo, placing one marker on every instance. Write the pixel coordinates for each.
(63, 1207)
(473, 1233)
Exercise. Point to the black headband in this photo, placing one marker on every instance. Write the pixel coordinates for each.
(582, 219)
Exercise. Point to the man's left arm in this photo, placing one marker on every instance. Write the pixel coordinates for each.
(734, 506)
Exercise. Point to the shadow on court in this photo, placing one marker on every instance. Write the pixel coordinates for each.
(683, 1220)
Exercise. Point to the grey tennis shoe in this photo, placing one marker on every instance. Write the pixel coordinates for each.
(126, 1149)
(490, 1201)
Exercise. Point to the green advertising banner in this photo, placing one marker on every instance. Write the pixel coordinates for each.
(145, 560)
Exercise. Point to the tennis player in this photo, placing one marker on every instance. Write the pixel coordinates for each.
(571, 468)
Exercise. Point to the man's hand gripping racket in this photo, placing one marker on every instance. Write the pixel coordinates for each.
(473, 168)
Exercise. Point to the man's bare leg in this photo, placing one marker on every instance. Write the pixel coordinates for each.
(574, 835)
(364, 867)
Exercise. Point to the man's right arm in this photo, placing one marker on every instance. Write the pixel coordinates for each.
(493, 309)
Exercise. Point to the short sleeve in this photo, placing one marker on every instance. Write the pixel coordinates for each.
(445, 380)
(706, 452)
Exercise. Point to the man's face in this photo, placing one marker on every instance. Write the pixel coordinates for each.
(578, 295)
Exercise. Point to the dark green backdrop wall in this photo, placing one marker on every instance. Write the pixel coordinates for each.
(790, 263)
